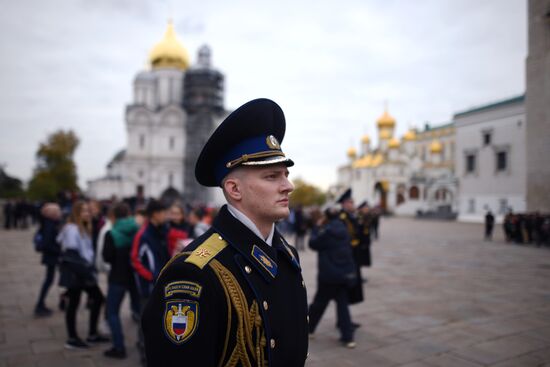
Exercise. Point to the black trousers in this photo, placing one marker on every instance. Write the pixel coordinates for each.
(48, 280)
(326, 293)
(95, 299)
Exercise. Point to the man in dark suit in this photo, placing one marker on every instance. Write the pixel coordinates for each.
(236, 296)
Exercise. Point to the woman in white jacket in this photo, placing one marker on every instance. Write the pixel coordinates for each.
(78, 274)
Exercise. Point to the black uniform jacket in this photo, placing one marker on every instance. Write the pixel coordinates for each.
(229, 300)
(355, 293)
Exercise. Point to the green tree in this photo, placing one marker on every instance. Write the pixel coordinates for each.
(306, 194)
(55, 169)
(10, 187)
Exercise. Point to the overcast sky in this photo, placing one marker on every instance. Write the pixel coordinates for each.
(329, 64)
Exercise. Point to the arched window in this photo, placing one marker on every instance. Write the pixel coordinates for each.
(414, 193)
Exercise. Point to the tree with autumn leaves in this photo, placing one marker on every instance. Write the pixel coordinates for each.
(55, 168)
(305, 194)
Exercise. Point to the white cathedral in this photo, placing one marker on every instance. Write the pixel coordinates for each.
(405, 176)
(176, 106)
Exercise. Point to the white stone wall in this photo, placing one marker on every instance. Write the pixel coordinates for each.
(486, 187)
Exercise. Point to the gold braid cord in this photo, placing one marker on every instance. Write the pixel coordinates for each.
(351, 231)
(247, 352)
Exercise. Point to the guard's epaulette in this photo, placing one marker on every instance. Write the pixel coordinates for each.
(207, 250)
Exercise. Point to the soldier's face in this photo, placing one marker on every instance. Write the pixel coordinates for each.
(265, 191)
(348, 205)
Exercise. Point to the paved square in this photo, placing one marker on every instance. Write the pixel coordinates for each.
(438, 295)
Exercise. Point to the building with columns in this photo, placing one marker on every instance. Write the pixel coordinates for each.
(407, 175)
(175, 108)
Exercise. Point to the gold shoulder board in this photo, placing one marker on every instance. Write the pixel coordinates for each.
(207, 251)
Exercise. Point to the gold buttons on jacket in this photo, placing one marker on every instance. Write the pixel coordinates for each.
(307, 318)
(266, 306)
(272, 343)
(248, 269)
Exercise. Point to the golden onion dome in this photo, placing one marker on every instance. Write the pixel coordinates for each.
(386, 120)
(394, 144)
(436, 147)
(385, 134)
(365, 139)
(410, 135)
(169, 52)
(352, 153)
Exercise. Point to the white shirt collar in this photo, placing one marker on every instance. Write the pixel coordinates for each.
(241, 217)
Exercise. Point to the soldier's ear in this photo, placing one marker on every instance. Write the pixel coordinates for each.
(231, 188)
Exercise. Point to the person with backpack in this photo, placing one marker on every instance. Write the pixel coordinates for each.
(78, 274)
(46, 243)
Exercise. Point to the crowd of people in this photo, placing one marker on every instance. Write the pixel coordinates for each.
(129, 246)
(527, 228)
(20, 213)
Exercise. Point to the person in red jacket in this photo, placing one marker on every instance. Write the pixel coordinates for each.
(178, 234)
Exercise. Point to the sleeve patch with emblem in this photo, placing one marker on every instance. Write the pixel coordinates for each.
(181, 319)
(182, 286)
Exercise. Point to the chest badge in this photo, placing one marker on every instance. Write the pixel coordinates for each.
(180, 320)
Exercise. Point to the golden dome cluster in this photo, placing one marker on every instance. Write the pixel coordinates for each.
(169, 52)
(386, 125)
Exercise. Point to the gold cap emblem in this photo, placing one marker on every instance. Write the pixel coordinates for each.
(272, 142)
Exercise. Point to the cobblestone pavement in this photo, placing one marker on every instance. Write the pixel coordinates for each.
(438, 295)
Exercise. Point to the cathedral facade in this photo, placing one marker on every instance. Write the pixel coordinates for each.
(409, 175)
(175, 108)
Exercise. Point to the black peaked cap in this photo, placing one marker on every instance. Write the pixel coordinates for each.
(255, 118)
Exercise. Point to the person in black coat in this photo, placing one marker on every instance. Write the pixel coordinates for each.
(336, 274)
(48, 230)
(489, 225)
(300, 227)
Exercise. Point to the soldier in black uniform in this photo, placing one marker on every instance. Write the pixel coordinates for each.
(236, 296)
(364, 219)
(348, 216)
